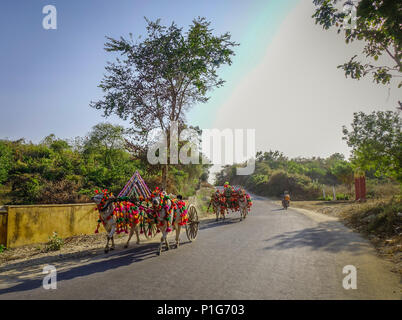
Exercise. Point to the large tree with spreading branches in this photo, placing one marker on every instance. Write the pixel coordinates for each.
(378, 24)
(155, 80)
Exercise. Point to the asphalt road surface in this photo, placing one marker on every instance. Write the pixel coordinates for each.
(273, 254)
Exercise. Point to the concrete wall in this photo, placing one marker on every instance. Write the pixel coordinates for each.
(3, 226)
(35, 224)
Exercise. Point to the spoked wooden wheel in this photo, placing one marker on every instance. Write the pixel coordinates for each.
(192, 223)
(150, 230)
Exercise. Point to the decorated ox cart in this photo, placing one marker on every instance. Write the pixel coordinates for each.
(138, 210)
(233, 199)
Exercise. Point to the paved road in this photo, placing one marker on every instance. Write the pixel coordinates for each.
(273, 254)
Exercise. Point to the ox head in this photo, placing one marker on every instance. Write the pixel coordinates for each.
(97, 198)
(156, 199)
(102, 199)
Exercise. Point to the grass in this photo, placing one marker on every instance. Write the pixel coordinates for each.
(381, 218)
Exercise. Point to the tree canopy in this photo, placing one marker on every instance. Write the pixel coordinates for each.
(156, 79)
(378, 24)
(376, 142)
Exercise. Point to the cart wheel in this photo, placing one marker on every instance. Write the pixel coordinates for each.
(192, 223)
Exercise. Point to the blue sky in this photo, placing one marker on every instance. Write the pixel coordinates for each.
(48, 77)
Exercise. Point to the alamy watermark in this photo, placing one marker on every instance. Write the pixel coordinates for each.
(50, 280)
(218, 147)
(350, 10)
(50, 20)
(350, 281)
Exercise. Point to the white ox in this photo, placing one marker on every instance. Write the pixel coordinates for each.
(217, 206)
(163, 223)
(109, 222)
(243, 205)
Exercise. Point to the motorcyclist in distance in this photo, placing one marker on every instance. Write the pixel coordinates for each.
(286, 199)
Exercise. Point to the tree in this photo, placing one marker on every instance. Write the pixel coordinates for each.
(343, 171)
(162, 76)
(108, 139)
(378, 24)
(376, 142)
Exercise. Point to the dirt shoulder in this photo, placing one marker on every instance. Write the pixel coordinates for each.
(360, 218)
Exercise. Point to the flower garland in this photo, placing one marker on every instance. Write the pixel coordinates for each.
(125, 213)
(249, 202)
(140, 211)
(180, 206)
(229, 198)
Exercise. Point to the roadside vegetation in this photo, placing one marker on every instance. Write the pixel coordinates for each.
(68, 171)
(307, 178)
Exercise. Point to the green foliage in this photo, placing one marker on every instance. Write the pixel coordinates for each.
(61, 171)
(376, 141)
(342, 196)
(378, 25)
(381, 218)
(5, 160)
(2, 248)
(55, 242)
(327, 198)
(26, 188)
(299, 186)
(274, 173)
(343, 171)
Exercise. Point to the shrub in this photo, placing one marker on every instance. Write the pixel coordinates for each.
(342, 196)
(2, 248)
(300, 186)
(26, 188)
(382, 218)
(63, 191)
(55, 243)
(327, 198)
(386, 218)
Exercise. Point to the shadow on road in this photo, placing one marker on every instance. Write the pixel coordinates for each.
(115, 260)
(329, 236)
(212, 223)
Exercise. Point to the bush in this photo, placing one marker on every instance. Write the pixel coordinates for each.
(386, 218)
(25, 188)
(299, 186)
(2, 248)
(381, 190)
(60, 192)
(342, 196)
(327, 198)
(382, 218)
(55, 243)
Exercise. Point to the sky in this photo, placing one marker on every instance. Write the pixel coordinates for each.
(283, 81)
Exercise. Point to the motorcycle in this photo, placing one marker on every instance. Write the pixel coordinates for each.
(285, 204)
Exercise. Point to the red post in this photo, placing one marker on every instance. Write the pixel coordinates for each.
(363, 188)
(357, 188)
(360, 187)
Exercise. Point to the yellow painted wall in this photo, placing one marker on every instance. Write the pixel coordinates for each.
(3, 227)
(34, 224)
